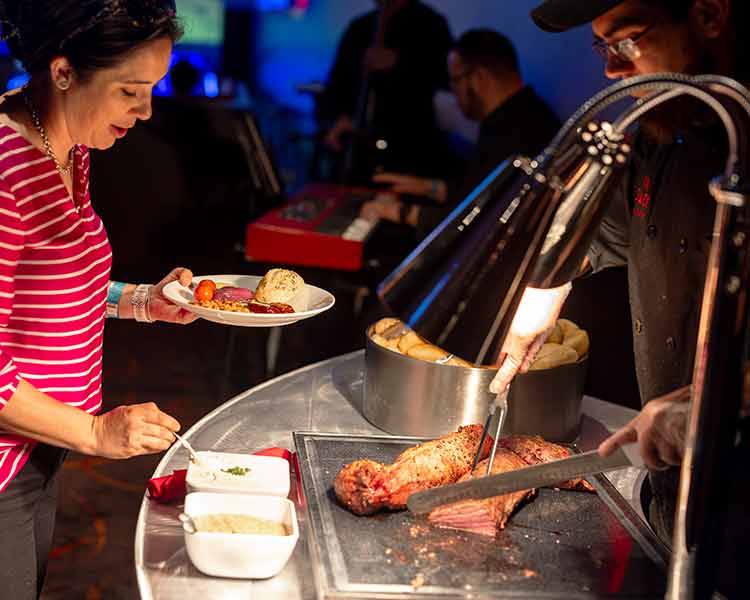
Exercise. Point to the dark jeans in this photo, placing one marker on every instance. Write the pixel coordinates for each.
(27, 522)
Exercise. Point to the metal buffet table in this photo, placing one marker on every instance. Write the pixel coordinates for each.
(324, 397)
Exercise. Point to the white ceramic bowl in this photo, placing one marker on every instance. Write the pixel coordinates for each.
(241, 555)
(268, 475)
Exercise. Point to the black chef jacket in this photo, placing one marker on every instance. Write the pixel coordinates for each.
(523, 124)
(659, 224)
(403, 112)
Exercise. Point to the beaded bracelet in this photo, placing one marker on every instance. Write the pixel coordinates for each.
(139, 301)
(114, 293)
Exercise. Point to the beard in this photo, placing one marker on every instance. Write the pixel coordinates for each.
(665, 122)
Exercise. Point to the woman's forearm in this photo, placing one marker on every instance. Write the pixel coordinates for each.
(36, 415)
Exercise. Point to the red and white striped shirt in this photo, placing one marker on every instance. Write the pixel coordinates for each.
(54, 272)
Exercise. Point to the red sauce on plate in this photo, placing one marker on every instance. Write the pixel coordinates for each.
(274, 308)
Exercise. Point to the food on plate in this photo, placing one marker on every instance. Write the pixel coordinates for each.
(366, 486)
(232, 294)
(276, 307)
(278, 286)
(395, 335)
(205, 291)
(489, 515)
(229, 523)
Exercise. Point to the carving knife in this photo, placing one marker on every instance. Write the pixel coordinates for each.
(575, 466)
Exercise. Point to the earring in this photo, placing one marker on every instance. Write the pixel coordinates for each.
(63, 84)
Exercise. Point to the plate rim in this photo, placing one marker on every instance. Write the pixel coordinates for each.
(247, 317)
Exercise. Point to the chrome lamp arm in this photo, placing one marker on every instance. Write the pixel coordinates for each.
(723, 338)
(531, 222)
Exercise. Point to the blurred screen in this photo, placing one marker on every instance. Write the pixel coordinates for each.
(203, 21)
(270, 5)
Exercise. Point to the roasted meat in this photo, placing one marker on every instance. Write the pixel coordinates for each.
(366, 486)
(534, 450)
(486, 516)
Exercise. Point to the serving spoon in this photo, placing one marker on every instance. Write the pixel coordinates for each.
(188, 522)
(193, 454)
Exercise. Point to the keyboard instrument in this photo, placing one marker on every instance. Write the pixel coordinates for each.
(319, 226)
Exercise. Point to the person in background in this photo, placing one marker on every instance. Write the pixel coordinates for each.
(185, 77)
(93, 66)
(389, 64)
(661, 216)
(486, 79)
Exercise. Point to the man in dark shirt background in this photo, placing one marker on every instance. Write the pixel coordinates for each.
(394, 59)
(486, 80)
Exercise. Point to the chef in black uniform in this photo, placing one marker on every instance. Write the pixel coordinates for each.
(661, 216)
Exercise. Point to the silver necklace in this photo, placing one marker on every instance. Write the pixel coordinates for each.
(45, 140)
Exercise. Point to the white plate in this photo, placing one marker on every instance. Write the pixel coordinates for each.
(310, 301)
(241, 554)
(268, 475)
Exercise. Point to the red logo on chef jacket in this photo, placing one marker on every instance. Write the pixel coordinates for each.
(642, 198)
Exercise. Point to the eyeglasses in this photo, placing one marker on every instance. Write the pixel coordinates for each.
(626, 50)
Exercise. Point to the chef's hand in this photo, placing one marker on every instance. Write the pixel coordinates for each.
(532, 324)
(161, 309)
(659, 430)
(132, 430)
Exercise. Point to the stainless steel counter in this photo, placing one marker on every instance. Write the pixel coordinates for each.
(323, 397)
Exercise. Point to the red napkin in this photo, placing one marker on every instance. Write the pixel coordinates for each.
(172, 487)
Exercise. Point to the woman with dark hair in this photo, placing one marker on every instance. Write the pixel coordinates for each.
(93, 65)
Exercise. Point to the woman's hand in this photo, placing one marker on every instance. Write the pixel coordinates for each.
(532, 324)
(659, 430)
(161, 309)
(132, 430)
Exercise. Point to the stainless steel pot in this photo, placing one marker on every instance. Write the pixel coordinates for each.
(406, 396)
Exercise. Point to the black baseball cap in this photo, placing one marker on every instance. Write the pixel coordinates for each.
(561, 15)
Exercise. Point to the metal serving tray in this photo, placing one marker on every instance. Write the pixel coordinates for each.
(562, 544)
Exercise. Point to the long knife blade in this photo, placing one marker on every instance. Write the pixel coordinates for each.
(578, 465)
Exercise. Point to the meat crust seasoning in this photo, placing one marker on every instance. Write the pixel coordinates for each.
(366, 486)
